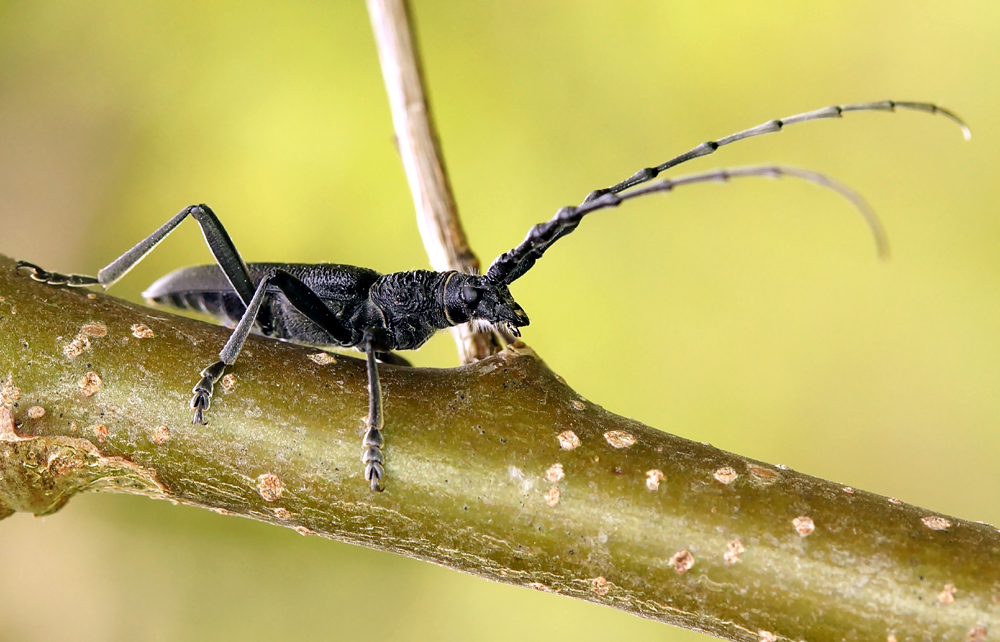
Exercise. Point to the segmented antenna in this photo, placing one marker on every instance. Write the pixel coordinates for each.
(513, 264)
(770, 127)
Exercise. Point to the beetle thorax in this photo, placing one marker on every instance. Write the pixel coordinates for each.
(411, 306)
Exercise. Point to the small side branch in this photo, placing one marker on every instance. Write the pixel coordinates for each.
(437, 215)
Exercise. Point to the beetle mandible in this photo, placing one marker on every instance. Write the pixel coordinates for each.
(354, 307)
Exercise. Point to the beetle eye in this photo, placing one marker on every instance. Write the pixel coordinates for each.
(471, 295)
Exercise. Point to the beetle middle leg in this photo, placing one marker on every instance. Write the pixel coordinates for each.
(302, 299)
(372, 443)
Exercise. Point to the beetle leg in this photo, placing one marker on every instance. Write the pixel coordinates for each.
(203, 391)
(55, 278)
(372, 453)
(299, 295)
(216, 237)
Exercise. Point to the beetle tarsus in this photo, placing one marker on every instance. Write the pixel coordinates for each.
(372, 456)
(203, 391)
(373, 460)
(55, 278)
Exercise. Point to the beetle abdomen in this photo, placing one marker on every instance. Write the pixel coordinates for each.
(202, 288)
(226, 307)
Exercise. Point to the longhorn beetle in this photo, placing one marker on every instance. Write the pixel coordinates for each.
(355, 307)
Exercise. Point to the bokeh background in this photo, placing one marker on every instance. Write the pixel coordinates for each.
(752, 315)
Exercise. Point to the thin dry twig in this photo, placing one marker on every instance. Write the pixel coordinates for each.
(437, 215)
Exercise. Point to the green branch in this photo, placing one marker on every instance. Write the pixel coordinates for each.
(497, 469)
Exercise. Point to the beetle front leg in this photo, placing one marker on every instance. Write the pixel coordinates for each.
(372, 453)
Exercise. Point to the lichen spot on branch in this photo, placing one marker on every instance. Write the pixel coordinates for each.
(726, 475)
(161, 435)
(568, 440)
(936, 523)
(804, 526)
(100, 431)
(976, 634)
(270, 487)
(9, 393)
(619, 438)
(682, 561)
(322, 358)
(734, 549)
(653, 478)
(90, 383)
(94, 330)
(763, 475)
(140, 331)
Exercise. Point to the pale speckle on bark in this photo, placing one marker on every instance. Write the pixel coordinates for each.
(726, 475)
(140, 331)
(734, 549)
(619, 438)
(599, 585)
(682, 561)
(161, 435)
(804, 526)
(270, 487)
(555, 473)
(568, 440)
(90, 383)
(936, 523)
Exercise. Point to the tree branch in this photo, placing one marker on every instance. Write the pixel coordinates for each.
(437, 216)
(497, 469)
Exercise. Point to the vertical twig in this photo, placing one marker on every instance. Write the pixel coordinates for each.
(437, 216)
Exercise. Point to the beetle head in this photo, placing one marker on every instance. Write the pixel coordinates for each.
(478, 299)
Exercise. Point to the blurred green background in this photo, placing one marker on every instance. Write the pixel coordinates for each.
(752, 315)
